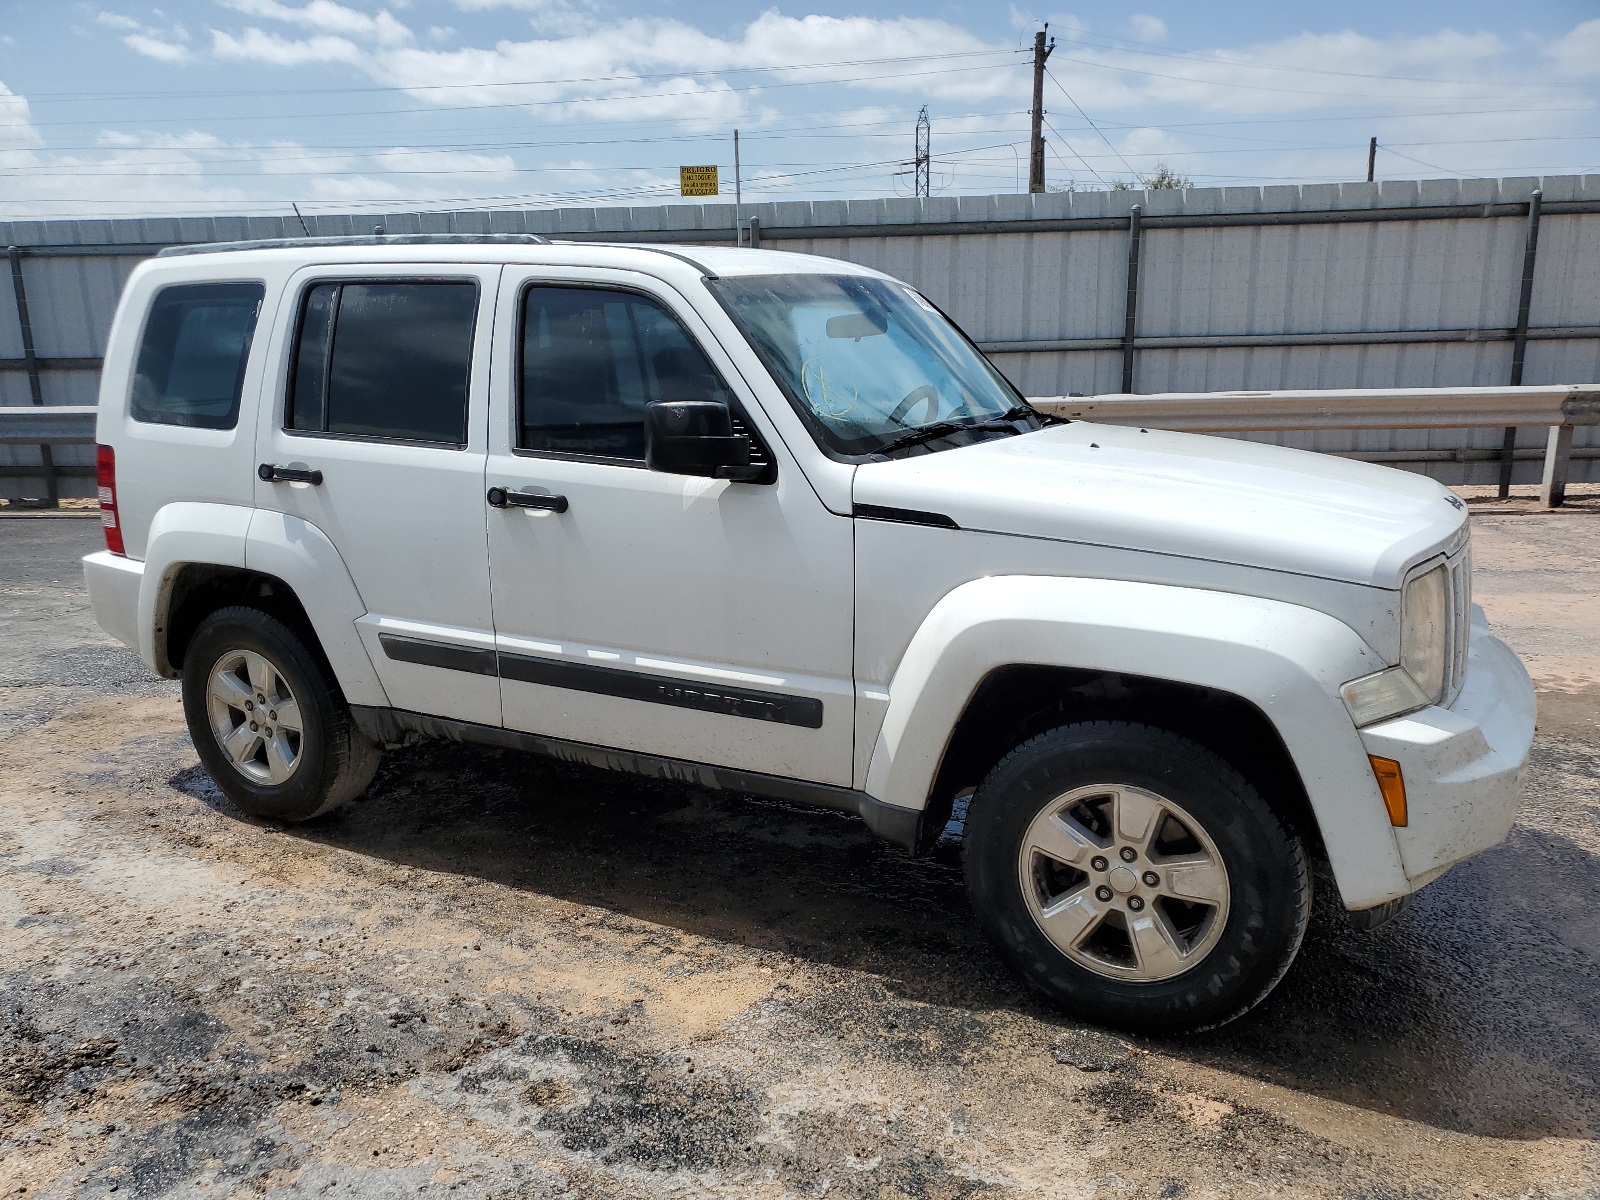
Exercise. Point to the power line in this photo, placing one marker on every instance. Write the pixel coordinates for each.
(1155, 51)
(1075, 153)
(1253, 87)
(1431, 166)
(615, 98)
(86, 97)
(1085, 116)
(298, 152)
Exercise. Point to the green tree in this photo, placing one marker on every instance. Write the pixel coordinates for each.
(1163, 178)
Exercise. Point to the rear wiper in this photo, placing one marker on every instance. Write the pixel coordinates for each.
(939, 429)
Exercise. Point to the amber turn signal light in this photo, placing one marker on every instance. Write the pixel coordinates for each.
(1393, 786)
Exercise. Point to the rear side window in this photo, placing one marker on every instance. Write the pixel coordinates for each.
(384, 360)
(591, 360)
(191, 362)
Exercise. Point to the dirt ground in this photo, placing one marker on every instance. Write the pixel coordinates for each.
(503, 977)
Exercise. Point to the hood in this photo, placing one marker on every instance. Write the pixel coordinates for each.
(1218, 499)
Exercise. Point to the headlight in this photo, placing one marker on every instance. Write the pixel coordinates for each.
(1424, 623)
(1419, 679)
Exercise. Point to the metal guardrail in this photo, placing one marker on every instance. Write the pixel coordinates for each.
(48, 426)
(1559, 407)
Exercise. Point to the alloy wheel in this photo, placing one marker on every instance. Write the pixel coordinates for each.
(255, 717)
(1124, 882)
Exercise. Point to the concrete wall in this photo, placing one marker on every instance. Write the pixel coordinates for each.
(1041, 281)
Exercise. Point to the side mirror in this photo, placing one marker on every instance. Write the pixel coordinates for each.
(695, 437)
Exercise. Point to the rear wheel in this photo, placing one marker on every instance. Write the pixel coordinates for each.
(1136, 878)
(268, 721)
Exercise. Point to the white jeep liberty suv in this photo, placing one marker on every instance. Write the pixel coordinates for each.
(770, 523)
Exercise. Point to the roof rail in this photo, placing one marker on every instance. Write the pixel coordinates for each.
(369, 239)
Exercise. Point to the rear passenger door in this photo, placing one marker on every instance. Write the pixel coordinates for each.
(382, 398)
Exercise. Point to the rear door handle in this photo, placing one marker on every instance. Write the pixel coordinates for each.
(505, 498)
(272, 473)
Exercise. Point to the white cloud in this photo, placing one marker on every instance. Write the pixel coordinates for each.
(1577, 55)
(17, 130)
(292, 158)
(157, 49)
(259, 46)
(554, 17)
(1299, 73)
(324, 16)
(445, 162)
(163, 45)
(194, 139)
(1147, 28)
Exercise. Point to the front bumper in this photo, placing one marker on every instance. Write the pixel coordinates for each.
(1463, 765)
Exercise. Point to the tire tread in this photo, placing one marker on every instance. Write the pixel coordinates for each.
(1278, 829)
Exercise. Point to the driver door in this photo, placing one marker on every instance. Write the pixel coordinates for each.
(690, 618)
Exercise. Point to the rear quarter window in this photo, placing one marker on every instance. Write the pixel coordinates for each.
(190, 369)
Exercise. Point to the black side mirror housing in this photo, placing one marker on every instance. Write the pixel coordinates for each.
(695, 437)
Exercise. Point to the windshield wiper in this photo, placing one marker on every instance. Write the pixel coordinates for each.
(1005, 421)
(927, 433)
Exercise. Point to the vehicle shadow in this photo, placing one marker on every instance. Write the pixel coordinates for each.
(1477, 1011)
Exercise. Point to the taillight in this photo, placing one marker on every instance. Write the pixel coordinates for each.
(105, 471)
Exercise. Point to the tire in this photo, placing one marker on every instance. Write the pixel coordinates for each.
(240, 657)
(1043, 850)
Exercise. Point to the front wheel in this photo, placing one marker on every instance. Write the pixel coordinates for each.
(1135, 878)
(268, 720)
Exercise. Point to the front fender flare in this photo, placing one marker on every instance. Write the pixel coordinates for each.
(1287, 660)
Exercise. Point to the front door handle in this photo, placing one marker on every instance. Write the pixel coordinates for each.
(505, 498)
(272, 473)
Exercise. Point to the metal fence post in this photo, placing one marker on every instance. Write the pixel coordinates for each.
(1519, 343)
(1130, 319)
(31, 362)
(1557, 461)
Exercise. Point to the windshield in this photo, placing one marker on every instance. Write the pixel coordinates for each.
(865, 361)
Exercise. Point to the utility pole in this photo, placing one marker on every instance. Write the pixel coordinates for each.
(924, 157)
(1036, 147)
(738, 194)
(1372, 157)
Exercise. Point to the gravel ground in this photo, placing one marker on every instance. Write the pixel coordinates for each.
(505, 977)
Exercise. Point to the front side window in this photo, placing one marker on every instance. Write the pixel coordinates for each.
(592, 358)
(190, 369)
(868, 363)
(384, 360)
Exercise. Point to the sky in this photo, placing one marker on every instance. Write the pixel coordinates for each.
(251, 106)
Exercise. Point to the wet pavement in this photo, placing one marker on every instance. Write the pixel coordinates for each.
(506, 977)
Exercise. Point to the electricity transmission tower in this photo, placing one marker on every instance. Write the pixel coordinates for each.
(924, 138)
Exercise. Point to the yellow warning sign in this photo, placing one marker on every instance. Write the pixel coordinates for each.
(697, 181)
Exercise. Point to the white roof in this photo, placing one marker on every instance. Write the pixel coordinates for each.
(662, 261)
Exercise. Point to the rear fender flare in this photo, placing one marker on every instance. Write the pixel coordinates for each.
(181, 534)
(303, 557)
